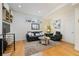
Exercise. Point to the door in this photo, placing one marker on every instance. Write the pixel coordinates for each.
(69, 27)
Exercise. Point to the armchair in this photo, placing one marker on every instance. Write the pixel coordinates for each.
(57, 36)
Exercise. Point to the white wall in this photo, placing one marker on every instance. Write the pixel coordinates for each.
(0, 18)
(77, 27)
(67, 17)
(20, 26)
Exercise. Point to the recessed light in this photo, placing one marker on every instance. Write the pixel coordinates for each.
(19, 6)
(38, 11)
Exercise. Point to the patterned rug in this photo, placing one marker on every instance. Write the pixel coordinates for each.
(35, 47)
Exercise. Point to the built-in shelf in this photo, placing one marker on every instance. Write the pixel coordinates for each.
(7, 16)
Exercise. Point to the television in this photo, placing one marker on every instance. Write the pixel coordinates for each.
(6, 28)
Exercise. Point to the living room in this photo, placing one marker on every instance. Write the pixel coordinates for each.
(44, 20)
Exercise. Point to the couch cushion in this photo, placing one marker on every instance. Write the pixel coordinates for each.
(41, 33)
(30, 34)
(37, 34)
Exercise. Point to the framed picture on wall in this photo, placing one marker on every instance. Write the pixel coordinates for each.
(57, 24)
(35, 26)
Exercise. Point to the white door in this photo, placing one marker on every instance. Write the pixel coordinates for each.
(69, 27)
(77, 28)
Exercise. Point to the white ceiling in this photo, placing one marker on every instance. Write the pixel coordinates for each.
(38, 9)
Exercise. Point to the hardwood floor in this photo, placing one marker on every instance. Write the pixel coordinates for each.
(19, 49)
(61, 49)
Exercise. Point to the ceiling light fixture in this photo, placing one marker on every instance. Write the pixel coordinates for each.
(19, 6)
(38, 11)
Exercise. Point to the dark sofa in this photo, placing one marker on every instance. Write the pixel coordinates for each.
(33, 36)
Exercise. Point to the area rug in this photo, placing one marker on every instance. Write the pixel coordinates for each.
(35, 47)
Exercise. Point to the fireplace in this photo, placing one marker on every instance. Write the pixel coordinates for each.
(6, 28)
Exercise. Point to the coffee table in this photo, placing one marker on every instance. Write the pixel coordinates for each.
(44, 40)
